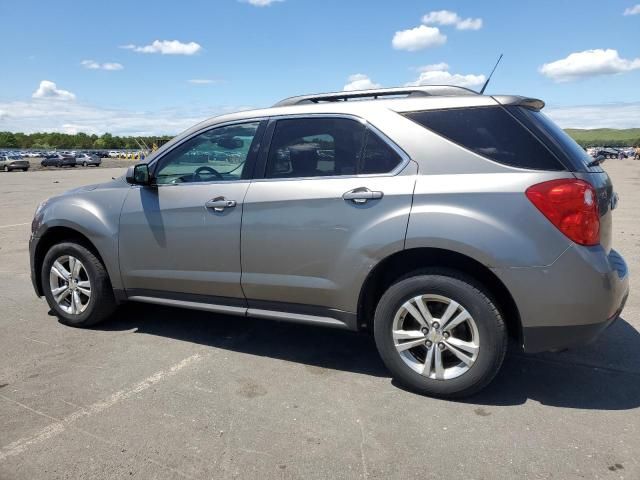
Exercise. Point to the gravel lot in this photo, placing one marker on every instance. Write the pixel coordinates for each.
(165, 393)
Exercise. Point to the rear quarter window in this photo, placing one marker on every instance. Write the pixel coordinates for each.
(491, 132)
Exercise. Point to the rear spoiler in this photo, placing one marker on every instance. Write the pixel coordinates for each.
(527, 102)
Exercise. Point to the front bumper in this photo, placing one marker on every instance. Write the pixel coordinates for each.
(570, 302)
(33, 244)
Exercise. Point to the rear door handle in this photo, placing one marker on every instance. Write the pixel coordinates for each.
(362, 195)
(218, 204)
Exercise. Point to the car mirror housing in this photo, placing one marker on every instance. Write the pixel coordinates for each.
(139, 174)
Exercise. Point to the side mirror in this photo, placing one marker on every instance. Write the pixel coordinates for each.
(139, 174)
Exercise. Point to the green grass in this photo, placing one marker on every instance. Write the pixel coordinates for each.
(605, 136)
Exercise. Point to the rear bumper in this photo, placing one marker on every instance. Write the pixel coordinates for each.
(570, 302)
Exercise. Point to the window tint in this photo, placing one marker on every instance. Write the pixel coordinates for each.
(555, 138)
(378, 156)
(491, 132)
(314, 147)
(215, 155)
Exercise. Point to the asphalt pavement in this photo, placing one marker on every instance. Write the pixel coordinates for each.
(165, 393)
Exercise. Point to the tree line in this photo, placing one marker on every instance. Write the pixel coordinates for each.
(80, 141)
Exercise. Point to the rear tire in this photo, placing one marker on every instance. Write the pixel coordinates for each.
(453, 355)
(88, 298)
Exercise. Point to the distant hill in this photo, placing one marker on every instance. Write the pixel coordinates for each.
(605, 137)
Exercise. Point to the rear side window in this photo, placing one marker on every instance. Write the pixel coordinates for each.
(491, 132)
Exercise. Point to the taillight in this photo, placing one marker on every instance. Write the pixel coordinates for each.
(571, 205)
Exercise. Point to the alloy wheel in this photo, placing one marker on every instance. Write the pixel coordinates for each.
(436, 336)
(70, 284)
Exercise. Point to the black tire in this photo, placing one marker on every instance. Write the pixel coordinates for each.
(7, 169)
(102, 302)
(468, 293)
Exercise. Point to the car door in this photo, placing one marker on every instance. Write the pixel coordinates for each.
(334, 200)
(180, 238)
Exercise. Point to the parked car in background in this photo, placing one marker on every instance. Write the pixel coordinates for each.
(60, 160)
(609, 152)
(9, 163)
(86, 160)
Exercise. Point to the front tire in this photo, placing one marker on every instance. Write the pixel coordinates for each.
(76, 285)
(440, 334)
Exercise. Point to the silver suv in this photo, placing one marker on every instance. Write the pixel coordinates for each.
(444, 221)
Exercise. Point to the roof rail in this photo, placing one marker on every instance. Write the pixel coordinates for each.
(424, 91)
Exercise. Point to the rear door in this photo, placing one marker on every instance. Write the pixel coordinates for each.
(334, 199)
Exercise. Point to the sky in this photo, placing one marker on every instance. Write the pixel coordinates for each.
(157, 67)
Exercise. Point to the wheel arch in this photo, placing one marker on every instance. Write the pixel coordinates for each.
(406, 262)
(53, 236)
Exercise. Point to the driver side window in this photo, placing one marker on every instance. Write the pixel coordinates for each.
(219, 154)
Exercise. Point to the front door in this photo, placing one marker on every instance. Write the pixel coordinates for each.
(182, 235)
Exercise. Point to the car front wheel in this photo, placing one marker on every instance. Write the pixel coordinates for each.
(76, 285)
(440, 334)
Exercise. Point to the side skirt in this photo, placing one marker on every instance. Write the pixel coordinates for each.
(282, 311)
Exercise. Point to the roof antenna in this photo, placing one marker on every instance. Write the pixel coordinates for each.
(494, 69)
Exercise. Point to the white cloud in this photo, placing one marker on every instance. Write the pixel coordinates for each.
(92, 65)
(201, 81)
(438, 74)
(360, 81)
(615, 115)
(49, 90)
(588, 63)
(433, 67)
(166, 47)
(635, 10)
(40, 115)
(446, 17)
(418, 38)
(261, 3)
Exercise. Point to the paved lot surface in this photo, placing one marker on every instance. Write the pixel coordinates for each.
(164, 393)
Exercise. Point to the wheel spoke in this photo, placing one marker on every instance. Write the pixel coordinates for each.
(457, 320)
(438, 362)
(85, 291)
(428, 361)
(401, 347)
(77, 266)
(72, 267)
(76, 305)
(63, 295)
(415, 313)
(84, 284)
(424, 310)
(408, 334)
(60, 271)
(468, 347)
(465, 359)
(448, 313)
(57, 291)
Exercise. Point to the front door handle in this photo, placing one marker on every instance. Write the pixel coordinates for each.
(362, 195)
(218, 204)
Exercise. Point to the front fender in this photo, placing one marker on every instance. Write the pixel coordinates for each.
(94, 214)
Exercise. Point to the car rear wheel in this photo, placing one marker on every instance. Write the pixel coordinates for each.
(6, 168)
(440, 334)
(76, 285)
